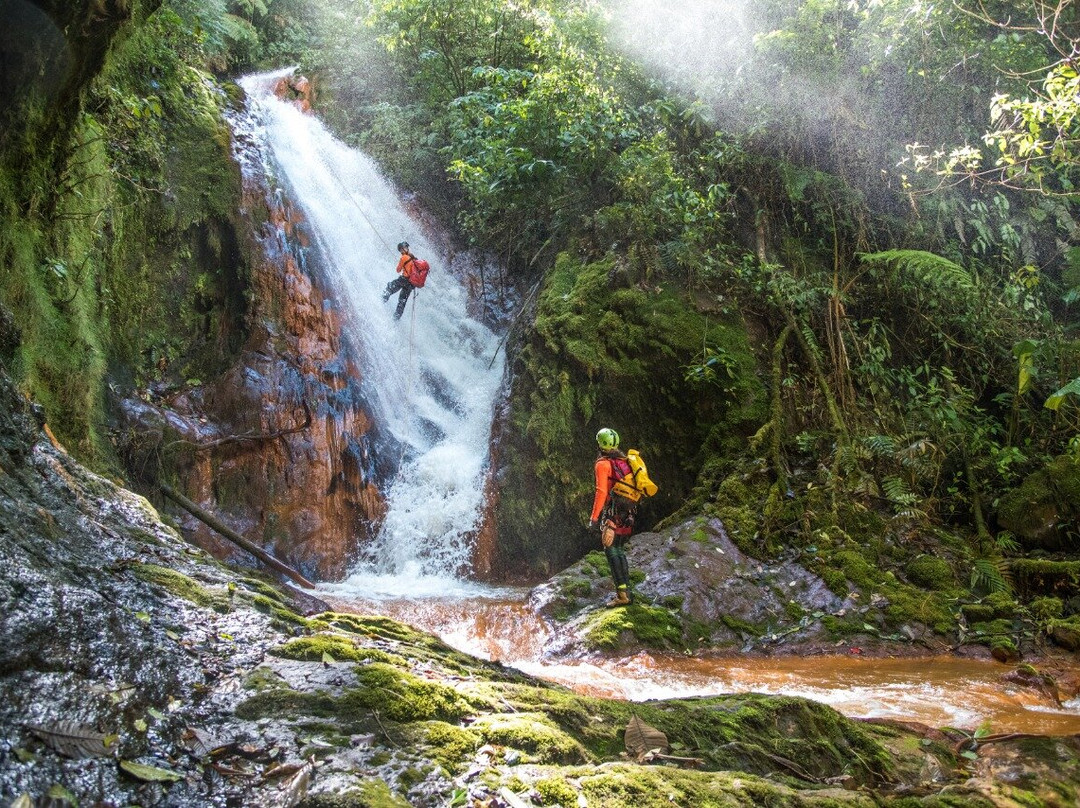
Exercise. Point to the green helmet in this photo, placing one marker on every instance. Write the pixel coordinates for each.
(607, 439)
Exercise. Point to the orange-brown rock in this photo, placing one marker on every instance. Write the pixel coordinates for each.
(297, 89)
(280, 446)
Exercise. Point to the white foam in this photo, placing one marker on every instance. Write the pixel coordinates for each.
(429, 378)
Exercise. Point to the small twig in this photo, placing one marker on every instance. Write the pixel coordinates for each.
(654, 755)
(385, 733)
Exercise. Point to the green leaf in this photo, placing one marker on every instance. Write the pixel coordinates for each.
(327, 659)
(149, 774)
(1056, 398)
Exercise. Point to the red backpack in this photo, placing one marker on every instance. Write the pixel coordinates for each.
(418, 272)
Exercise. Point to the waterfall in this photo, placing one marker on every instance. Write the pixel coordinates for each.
(428, 378)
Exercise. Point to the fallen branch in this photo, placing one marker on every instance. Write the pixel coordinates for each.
(252, 436)
(212, 521)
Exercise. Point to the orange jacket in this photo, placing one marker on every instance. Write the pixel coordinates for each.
(404, 262)
(605, 477)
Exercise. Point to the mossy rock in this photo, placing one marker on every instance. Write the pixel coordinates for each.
(449, 745)
(1034, 577)
(603, 353)
(402, 696)
(371, 793)
(1065, 633)
(930, 572)
(339, 648)
(1044, 510)
(1045, 609)
(180, 585)
(977, 612)
(1003, 649)
(635, 625)
(534, 734)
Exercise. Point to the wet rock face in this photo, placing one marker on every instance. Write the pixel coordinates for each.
(280, 447)
(85, 645)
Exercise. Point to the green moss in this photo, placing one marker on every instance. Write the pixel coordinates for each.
(648, 625)
(930, 572)
(340, 648)
(372, 793)
(556, 791)
(843, 627)
(977, 612)
(125, 202)
(597, 562)
(621, 785)
(575, 588)
(993, 629)
(403, 697)
(742, 627)
(180, 585)
(1044, 577)
(1047, 498)
(285, 616)
(1044, 609)
(278, 702)
(532, 733)
(452, 747)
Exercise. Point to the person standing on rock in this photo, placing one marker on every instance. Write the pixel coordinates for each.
(613, 512)
(403, 282)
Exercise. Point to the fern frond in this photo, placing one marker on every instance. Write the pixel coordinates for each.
(921, 456)
(865, 484)
(668, 256)
(990, 575)
(922, 269)
(897, 491)
(912, 515)
(811, 341)
(882, 446)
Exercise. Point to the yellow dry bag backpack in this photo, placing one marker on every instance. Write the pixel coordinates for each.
(633, 478)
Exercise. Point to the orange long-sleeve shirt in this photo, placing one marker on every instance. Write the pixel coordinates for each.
(604, 480)
(403, 262)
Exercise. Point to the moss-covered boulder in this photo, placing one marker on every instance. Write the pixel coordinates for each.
(607, 352)
(1043, 513)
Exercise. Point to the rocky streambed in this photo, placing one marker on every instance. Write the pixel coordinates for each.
(137, 670)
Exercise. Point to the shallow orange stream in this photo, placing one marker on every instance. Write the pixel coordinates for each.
(938, 691)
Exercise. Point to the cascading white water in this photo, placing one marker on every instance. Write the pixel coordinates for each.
(428, 378)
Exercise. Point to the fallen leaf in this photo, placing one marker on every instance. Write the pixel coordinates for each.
(150, 774)
(641, 738)
(72, 739)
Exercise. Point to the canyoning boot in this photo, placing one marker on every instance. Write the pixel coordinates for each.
(620, 599)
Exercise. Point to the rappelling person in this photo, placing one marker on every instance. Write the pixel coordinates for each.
(621, 481)
(412, 274)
